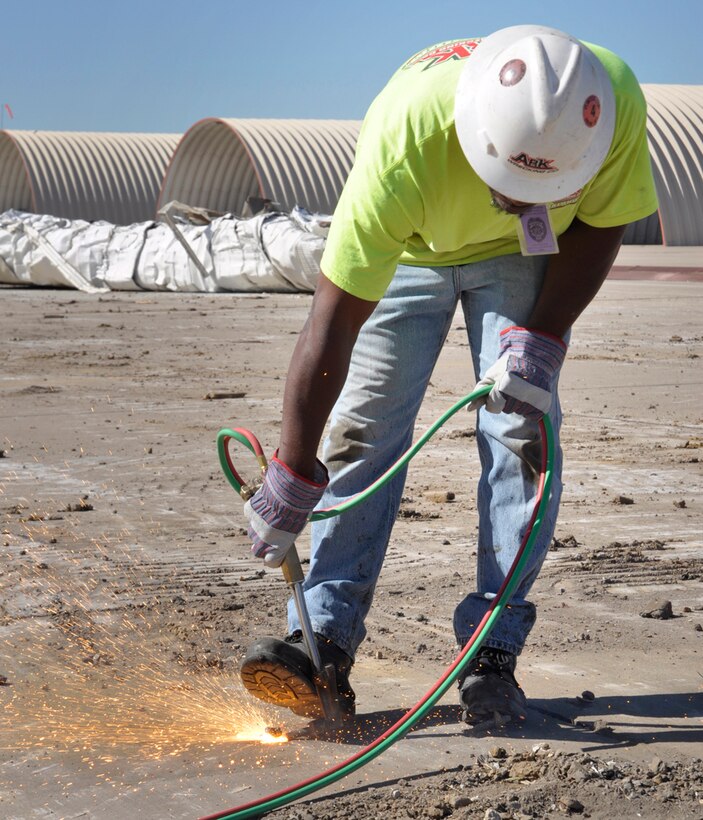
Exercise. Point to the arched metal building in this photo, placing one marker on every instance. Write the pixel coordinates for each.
(675, 131)
(675, 134)
(79, 175)
(220, 163)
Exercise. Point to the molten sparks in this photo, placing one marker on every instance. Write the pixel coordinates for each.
(258, 734)
(111, 660)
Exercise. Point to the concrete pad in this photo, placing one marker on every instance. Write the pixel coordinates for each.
(129, 595)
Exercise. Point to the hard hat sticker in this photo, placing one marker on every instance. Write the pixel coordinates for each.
(535, 232)
(591, 111)
(537, 165)
(443, 52)
(512, 72)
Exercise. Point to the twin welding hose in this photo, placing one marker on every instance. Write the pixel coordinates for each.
(261, 806)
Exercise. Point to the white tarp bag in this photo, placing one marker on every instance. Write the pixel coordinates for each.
(269, 252)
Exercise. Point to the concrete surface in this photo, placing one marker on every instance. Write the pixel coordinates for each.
(103, 398)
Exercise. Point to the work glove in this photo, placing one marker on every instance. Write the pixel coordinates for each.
(524, 374)
(280, 508)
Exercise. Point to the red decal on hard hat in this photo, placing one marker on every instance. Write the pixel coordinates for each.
(512, 72)
(591, 111)
(537, 165)
(451, 50)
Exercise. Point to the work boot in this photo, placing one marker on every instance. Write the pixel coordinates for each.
(489, 691)
(281, 672)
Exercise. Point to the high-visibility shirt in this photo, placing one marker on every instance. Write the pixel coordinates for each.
(412, 197)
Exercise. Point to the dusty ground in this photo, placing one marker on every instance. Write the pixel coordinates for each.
(129, 596)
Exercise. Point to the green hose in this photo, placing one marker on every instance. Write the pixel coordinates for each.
(421, 709)
(251, 444)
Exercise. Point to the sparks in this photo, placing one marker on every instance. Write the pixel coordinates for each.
(100, 671)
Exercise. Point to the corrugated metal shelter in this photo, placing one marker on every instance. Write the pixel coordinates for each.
(675, 131)
(220, 163)
(84, 175)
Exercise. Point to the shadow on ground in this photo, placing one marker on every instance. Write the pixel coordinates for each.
(602, 724)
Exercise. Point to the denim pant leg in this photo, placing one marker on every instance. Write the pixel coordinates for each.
(496, 294)
(371, 427)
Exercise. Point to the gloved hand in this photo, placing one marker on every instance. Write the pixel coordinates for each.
(524, 374)
(279, 510)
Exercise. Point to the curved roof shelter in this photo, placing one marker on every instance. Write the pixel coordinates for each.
(675, 131)
(220, 163)
(675, 134)
(84, 175)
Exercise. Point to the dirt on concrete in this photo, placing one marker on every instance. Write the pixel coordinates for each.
(128, 594)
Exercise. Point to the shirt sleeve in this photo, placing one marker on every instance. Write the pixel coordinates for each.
(623, 189)
(377, 213)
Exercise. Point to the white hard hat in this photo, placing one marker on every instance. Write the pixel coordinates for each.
(534, 113)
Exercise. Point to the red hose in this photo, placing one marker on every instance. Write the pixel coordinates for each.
(443, 679)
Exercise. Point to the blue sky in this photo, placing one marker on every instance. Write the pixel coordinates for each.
(160, 66)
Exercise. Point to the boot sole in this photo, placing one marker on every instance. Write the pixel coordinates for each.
(272, 682)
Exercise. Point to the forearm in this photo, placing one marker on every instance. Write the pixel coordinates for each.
(574, 276)
(317, 372)
(315, 378)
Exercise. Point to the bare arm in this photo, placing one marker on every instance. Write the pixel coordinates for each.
(574, 275)
(317, 371)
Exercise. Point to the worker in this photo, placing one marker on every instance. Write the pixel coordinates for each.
(499, 173)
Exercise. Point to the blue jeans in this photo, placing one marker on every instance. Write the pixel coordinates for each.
(372, 425)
